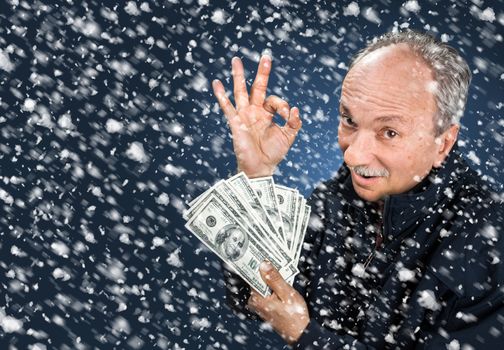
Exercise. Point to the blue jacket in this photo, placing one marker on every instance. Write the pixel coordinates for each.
(436, 280)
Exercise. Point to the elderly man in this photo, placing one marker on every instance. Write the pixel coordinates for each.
(403, 248)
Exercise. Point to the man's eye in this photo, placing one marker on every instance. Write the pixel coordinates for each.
(390, 134)
(348, 121)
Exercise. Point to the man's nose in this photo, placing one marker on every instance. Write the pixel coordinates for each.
(361, 149)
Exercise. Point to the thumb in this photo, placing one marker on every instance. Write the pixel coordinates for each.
(275, 281)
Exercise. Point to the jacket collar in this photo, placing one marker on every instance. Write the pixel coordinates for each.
(402, 210)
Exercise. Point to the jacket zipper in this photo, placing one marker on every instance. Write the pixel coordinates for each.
(369, 259)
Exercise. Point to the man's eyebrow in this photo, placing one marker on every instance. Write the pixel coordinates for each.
(345, 110)
(391, 118)
(385, 119)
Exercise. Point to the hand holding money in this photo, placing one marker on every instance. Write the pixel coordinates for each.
(285, 309)
(259, 144)
(246, 221)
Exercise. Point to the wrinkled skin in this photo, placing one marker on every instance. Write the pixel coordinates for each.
(285, 309)
(387, 114)
(259, 144)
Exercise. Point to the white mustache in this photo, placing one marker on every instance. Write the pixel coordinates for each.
(365, 171)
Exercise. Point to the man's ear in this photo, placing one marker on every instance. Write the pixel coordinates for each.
(445, 143)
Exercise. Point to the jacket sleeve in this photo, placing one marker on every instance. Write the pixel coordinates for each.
(487, 332)
(484, 332)
(316, 337)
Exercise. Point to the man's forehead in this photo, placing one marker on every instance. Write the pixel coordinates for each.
(396, 89)
(393, 63)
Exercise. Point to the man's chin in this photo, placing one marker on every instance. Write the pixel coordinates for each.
(368, 195)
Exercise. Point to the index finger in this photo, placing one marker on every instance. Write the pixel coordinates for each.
(226, 105)
(258, 89)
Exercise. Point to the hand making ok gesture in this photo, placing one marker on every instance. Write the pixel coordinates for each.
(259, 144)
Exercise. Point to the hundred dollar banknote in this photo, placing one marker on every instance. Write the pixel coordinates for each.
(279, 257)
(287, 204)
(242, 186)
(243, 208)
(223, 234)
(246, 221)
(265, 189)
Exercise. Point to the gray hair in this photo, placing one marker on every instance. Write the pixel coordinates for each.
(451, 72)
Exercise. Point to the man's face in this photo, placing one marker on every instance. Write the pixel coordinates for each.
(386, 128)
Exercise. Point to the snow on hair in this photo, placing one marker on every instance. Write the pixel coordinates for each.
(451, 71)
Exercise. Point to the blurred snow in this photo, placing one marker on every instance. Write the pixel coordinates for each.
(132, 9)
(487, 14)
(371, 15)
(136, 152)
(109, 127)
(29, 105)
(5, 62)
(428, 300)
(114, 126)
(352, 9)
(405, 275)
(10, 324)
(219, 16)
(174, 259)
(412, 6)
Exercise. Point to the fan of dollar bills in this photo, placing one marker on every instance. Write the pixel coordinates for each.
(245, 221)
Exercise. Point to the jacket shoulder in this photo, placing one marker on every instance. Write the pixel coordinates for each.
(468, 260)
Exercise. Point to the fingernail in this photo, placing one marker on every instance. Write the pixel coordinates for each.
(266, 60)
(266, 266)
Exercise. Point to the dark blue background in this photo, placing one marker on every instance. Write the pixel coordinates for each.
(97, 197)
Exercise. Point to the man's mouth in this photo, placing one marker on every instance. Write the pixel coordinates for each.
(367, 176)
(364, 180)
